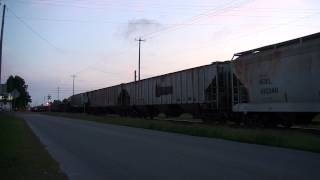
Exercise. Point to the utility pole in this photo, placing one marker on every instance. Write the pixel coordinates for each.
(58, 93)
(49, 105)
(73, 77)
(135, 75)
(140, 40)
(1, 38)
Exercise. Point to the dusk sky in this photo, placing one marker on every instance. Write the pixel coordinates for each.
(46, 41)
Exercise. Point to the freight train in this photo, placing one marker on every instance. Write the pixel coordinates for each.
(275, 84)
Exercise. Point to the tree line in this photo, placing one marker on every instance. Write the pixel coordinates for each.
(18, 84)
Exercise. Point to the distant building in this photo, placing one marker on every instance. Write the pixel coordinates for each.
(5, 104)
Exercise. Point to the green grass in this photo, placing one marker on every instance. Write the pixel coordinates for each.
(315, 122)
(22, 156)
(273, 137)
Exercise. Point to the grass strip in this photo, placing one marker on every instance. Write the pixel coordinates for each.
(22, 156)
(273, 137)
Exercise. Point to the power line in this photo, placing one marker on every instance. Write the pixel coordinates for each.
(249, 34)
(132, 4)
(166, 24)
(195, 19)
(118, 5)
(96, 69)
(34, 31)
(192, 19)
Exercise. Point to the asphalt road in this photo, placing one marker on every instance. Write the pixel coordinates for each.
(88, 150)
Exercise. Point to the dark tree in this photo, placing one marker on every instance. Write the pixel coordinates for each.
(18, 83)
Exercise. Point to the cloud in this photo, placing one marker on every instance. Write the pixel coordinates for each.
(140, 27)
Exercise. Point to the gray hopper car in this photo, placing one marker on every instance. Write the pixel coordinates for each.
(279, 80)
(199, 90)
(269, 85)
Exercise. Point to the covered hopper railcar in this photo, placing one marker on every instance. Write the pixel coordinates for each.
(200, 91)
(280, 81)
(269, 85)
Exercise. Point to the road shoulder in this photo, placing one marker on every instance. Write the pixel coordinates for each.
(22, 155)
